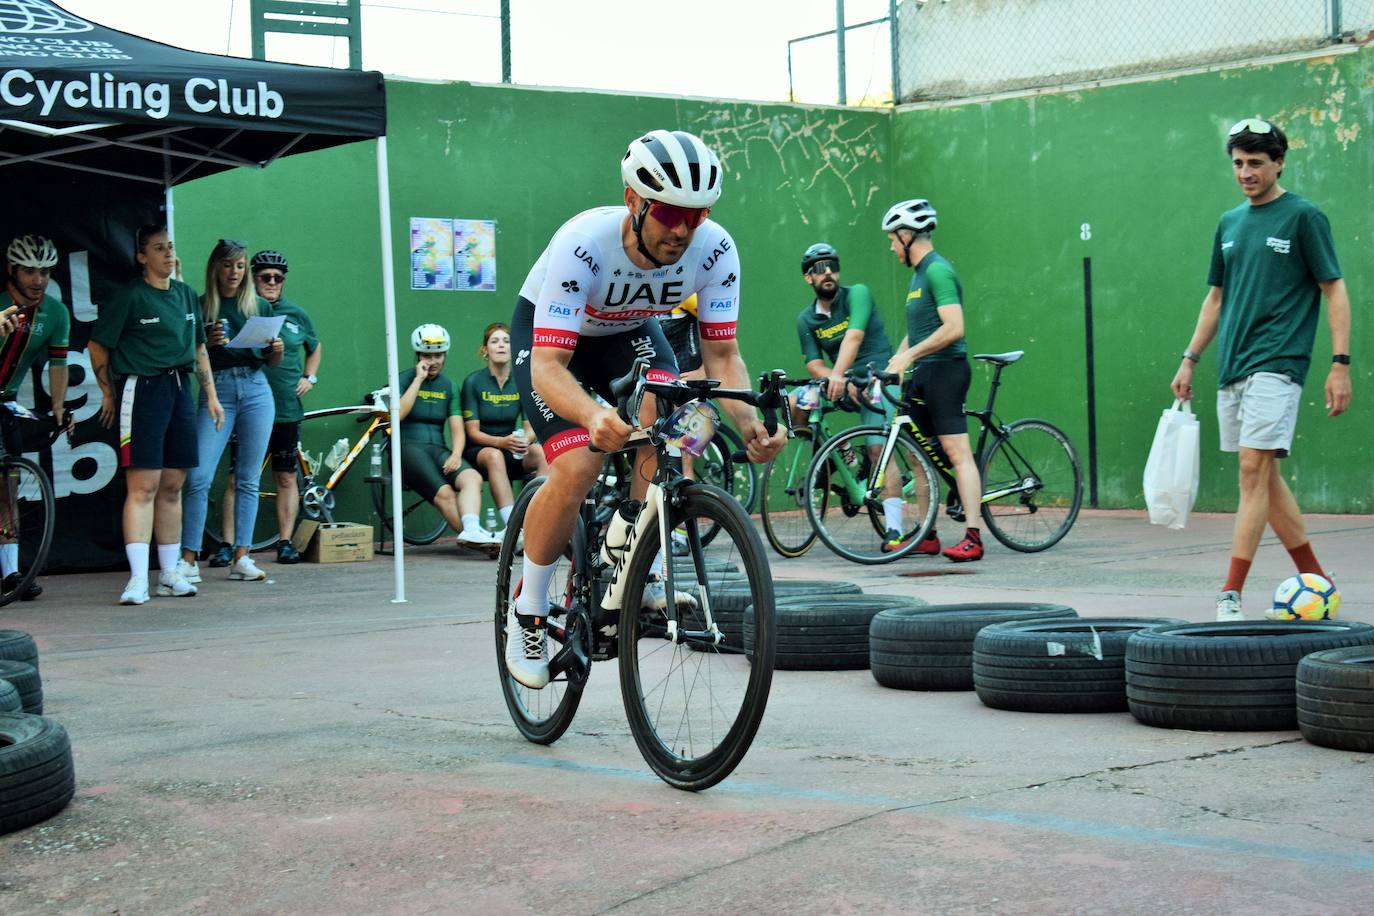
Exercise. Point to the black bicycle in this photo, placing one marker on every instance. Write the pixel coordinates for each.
(27, 505)
(693, 706)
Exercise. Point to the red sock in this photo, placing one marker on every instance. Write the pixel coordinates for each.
(1235, 576)
(1305, 560)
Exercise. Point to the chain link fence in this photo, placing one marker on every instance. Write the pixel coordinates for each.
(948, 49)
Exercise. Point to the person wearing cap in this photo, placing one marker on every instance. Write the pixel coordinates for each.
(1273, 260)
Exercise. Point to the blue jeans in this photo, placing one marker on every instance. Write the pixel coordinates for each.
(249, 412)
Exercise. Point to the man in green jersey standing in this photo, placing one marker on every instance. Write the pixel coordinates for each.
(39, 329)
(1273, 259)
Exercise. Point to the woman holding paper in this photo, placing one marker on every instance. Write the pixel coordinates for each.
(240, 347)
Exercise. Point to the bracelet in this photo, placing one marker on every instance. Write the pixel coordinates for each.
(1191, 356)
(1341, 358)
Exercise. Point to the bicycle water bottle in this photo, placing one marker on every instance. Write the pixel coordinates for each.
(336, 454)
(491, 519)
(618, 531)
(377, 460)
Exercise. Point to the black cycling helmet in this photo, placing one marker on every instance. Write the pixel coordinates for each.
(820, 252)
(268, 258)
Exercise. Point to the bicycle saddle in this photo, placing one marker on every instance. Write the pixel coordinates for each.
(1001, 359)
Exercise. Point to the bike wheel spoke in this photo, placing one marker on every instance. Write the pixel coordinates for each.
(1037, 471)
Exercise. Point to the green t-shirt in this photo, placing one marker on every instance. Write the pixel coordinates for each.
(297, 333)
(852, 307)
(434, 404)
(42, 333)
(150, 330)
(1268, 261)
(932, 285)
(239, 357)
(496, 408)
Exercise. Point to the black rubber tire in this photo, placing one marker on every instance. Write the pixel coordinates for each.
(1335, 696)
(826, 632)
(25, 679)
(16, 645)
(36, 775)
(931, 648)
(1239, 676)
(1056, 665)
(9, 698)
(729, 605)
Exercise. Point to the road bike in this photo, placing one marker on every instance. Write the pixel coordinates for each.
(693, 707)
(1032, 479)
(27, 505)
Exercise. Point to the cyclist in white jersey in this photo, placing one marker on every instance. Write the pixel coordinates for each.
(587, 310)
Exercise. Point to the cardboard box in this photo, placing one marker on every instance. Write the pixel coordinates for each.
(336, 542)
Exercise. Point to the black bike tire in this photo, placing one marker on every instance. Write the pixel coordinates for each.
(775, 540)
(705, 770)
(33, 565)
(990, 518)
(932, 504)
(551, 727)
(381, 502)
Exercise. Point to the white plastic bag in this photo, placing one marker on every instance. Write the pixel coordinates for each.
(1171, 471)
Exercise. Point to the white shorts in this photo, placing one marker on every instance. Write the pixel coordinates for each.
(1260, 411)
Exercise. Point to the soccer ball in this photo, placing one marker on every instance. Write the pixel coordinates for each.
(1306, 596)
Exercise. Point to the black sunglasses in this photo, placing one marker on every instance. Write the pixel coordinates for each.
(271, 279)
(829, 265)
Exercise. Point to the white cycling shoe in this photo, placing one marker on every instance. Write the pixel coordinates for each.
(527, 651)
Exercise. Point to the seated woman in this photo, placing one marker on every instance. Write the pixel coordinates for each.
(435, 471)
(500, 443)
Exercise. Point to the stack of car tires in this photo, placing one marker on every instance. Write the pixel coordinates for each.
(36, 776)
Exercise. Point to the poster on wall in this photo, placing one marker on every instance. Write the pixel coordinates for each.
(431, 253)
(452, 253)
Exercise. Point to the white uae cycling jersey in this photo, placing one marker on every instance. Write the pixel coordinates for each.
(585, 283)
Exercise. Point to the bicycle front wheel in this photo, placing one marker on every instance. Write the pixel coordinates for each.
(421, 523)
(543, 715)
(1032, 486)
(693, 704)
(868, 513)
(26, 518)
(783, 506)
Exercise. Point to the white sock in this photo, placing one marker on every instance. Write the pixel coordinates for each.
(892, 514)
(138, 559)
(471, 523)
(9, 559)
(505, 514)
(534, 587)
(167, 555)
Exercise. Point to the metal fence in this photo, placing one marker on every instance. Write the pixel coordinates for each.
(949, 49)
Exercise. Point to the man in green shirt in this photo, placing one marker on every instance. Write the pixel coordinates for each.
(1273, 259)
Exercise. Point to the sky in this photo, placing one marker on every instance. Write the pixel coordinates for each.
(710, 48)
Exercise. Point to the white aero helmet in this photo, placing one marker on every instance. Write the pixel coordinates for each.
(429, 338)
(672, 166)
(916, 214)
(32, 251)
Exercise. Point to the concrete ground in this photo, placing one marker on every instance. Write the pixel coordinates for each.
(307, 746)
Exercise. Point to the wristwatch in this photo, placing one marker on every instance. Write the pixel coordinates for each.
(1342, 358)
(311, 379)
(1191, 356)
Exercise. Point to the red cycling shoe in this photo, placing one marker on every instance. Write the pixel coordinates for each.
(930, 546)
(967, 550)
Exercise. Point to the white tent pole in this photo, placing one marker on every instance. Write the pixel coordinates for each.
(171, 211)
(392, 369)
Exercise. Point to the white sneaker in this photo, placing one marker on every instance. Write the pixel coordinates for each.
(136, 592)
(188, 571)
(245, 570)
(479, 537)
(172, 584)
(527, 652)
(656, 596)
(1228, 607)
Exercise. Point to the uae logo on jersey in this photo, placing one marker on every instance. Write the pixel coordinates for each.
(38, 17)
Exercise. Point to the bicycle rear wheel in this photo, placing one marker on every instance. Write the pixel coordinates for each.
(421, 523)
(782, 508)
(1035, 469)
(846, 496)
(26, 518)
(542, 716)
(693, 705)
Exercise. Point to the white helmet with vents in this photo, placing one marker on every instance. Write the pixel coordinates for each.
(429, 338)
(32, 251)
(916, 214)
(674, 167)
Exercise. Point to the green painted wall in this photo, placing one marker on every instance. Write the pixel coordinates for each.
(1145, 166)
(530, 159)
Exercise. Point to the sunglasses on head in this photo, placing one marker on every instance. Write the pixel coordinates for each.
(233, 243)
(827, 265)
(272, 279)
(1253, 125)
(671, 216)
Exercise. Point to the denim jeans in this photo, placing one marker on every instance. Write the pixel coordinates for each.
(249, 412)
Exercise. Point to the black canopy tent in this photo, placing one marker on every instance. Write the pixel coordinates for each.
(96, 127)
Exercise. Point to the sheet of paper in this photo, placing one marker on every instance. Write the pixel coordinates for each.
(257, 332)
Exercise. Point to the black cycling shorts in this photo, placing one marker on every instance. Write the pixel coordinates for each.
(943, 386)
(282, 445)
(596, 363)
(685, 339)
(515, 467)
(422, 466)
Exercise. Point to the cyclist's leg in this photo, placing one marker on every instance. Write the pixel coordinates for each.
(491, 463)
(283, 447)
(9, 501)
(467, 483)
(946, 386)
